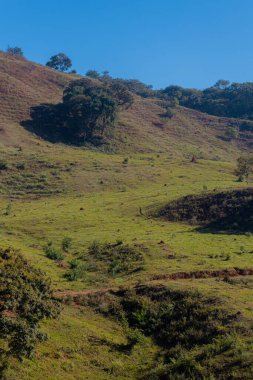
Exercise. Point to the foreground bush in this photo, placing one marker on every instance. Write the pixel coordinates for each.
(198, 339)
(26, 299)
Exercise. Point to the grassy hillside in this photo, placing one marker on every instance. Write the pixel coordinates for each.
(102, 200)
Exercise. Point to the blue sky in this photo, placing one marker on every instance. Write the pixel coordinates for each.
(187, 42)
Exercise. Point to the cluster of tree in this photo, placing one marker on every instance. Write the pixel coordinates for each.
(133, 85)
(222, 99)
(87, 112)
(26, 299)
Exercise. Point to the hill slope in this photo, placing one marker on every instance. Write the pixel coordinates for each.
(24, 84)
(142, 128)
(100, 203)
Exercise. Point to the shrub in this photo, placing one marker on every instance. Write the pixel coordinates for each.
(16, 51)
(66, 244)
(191, 330)
(77, 271)
(26, 298)
(52, 253)
(119, 258)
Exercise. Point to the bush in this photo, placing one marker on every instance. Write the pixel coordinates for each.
(77, 271)
(26, 298)
(16, 51)
(66, 244)
(52, 253)
(119, 258)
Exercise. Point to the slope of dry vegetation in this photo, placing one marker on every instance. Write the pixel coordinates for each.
(141, 128)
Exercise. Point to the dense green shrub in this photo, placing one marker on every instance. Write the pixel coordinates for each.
(52, 253)
(77, 271)
(26, 298)
(119, 258)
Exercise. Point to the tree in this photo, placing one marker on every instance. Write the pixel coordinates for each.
(93, 74)
(244, 168)
(87, 113)
(16, 51)
(87, 117)
(60, 62)
(26, 298)
(222, 84)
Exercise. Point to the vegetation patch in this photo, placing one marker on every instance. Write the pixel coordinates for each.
(197, 338)
(224, 211)
(118, 258)
(26, 298)
(87, 112)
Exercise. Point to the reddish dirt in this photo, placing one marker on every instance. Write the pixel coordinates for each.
(223, 273)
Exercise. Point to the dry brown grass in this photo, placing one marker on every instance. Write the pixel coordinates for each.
(141, 128)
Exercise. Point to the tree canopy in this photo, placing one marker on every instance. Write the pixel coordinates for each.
(223, 99)
(60, 62)
(88, 111)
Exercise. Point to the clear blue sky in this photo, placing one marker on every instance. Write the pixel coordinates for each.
(187, 42)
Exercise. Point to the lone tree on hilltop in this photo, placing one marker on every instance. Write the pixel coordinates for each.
(15, 51)
(60, 62)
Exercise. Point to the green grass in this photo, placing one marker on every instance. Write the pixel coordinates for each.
(107, 200)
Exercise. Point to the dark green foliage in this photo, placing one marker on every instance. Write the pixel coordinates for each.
(137, 87)
(16, 51)
(119, 258)
(222, 84)
(87, 113)
(25, 299)
(225, 211)
(52, 253)
(93, 74)
(234, 100)
(60, 62)
(77, 271)
(198, 339)
(111, 88)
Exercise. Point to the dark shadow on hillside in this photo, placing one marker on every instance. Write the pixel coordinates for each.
(41, 123)
(48, 121)
(239, 222)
